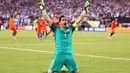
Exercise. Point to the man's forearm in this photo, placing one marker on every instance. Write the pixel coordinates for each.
(46, 16)
(82, 16)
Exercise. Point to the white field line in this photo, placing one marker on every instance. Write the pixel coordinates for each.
(25, 44)
(83, 55)
(41, 44)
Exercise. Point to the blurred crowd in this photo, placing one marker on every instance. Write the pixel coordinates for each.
(99, 8)
(27, 10)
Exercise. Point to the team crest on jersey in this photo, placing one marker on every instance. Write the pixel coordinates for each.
(67, 30)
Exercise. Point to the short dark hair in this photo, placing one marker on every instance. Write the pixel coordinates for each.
(61, 18)
(12, 16)
(37, 17)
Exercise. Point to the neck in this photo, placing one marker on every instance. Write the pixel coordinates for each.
(63, 27)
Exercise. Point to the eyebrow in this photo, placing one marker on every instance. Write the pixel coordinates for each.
(63, 19)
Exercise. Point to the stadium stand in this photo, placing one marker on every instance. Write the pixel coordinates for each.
(27, 10)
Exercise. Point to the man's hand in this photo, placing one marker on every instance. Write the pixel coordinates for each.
(41, 3)
(87, 5)
(42, 7)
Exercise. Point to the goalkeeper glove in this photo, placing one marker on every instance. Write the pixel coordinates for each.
(87, 4)
(42, 7)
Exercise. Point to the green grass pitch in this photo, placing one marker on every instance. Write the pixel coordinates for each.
(94, 52)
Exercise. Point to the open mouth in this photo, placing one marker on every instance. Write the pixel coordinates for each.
(65, 23)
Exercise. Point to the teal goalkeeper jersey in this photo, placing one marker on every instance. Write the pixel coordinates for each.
(63, 39)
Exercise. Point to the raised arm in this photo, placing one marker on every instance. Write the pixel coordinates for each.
(81, 17)
(46, 16)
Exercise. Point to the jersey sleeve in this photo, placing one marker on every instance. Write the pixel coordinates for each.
(53, 27)
(73, 28)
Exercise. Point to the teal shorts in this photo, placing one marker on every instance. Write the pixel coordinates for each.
(59, 60)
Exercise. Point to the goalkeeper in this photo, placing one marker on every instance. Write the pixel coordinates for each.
(63, 41)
